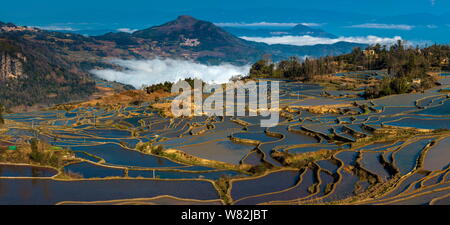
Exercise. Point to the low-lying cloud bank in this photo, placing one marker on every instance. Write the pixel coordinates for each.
(56, 28)
(383, 26)
(267, 24)
(147, 72)
(309, 40)
(127, 30)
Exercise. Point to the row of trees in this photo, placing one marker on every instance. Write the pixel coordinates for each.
(2, 110)
(294, 68)
(167, 86)
(399, 59)
(403, 63)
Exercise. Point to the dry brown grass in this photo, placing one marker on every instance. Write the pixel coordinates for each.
(322, 109)
(183, 157)
(126, 97)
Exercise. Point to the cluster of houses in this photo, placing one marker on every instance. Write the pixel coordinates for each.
(190, 42)
(16, 28)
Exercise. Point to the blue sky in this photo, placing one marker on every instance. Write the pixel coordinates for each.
(380, 6)
(428, 19)
(48, 11)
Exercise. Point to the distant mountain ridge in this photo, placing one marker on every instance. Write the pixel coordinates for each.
(298, 30)
(48, 67)
(178, 31)
(187, 37)
(205, 42)
(197, 38)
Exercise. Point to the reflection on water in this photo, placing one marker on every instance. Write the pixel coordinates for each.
(97, 134)
(25, 171)
(46, 191)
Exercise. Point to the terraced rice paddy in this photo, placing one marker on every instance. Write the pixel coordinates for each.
(47, 191)
(7, 170)
(393, 150)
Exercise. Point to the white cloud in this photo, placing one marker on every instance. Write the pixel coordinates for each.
(56, 28)
(267, 24)
(384, 26)
(126, 30)
(148, 72)
(279, 33)
(309, 40)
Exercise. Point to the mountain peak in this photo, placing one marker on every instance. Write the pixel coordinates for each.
(186, 18)
(187, 27)
(301, 30)
(185, 21)
(183, 24)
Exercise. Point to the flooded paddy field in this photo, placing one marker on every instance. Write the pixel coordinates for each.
(330, 147)
(26, 171)
(47, 191)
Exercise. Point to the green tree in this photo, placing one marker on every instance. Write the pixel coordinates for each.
(262, 68)
(400, 85)
(2, 110)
